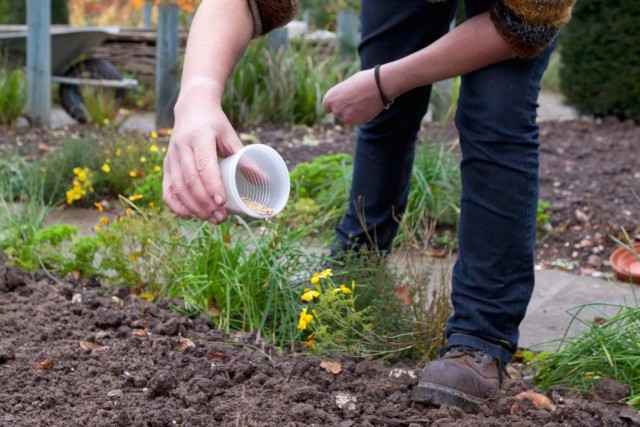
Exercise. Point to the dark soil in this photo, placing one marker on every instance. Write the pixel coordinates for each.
(76, 354)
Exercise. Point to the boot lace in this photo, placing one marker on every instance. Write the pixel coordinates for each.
(481, 357)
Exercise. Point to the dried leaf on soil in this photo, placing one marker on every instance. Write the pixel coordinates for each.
(218, 356)
(88, 345)
(141, 333)
(538, 400)
(185, 343)
(331, 367)
(403, 294)
(45, 364)
(213, 309)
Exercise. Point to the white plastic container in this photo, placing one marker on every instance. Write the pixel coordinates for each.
(256, 180)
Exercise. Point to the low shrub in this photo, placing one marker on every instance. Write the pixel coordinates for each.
(601, 58)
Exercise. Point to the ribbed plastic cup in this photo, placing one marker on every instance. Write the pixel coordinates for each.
(256, 180)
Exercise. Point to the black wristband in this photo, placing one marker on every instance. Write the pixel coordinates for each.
(385, 101)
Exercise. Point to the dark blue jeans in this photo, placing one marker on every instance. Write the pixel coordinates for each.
(493, 276)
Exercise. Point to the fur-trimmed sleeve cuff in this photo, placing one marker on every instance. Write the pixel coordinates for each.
(528, 26)
(270, 14)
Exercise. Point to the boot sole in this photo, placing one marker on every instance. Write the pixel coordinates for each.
(439, 395)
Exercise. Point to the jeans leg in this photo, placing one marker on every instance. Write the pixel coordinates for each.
(493, 277)
(385, 146)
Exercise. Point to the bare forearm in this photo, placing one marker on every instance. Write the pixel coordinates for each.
(473, 45)
(219, 35)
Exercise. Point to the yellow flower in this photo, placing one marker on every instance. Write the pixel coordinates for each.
(304, 320)
(153, 148)
(154, 135)
(136, 197)
(81, 174)
(143, 159)
(70, 197)
(152, 205)
(163, 149)
(105, 121)
(104, 220)
(157, 168)
(97, 228)
(128, 212)
(99, 206)
(345, 289)
(315, 279)
(118, 152)
(106, 168)
(309, 295)
(326, 273)
(311, 343)
(133, 174)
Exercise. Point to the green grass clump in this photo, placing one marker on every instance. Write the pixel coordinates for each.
(13, 94)
(282, 86)
(608, 348)
(434, 194)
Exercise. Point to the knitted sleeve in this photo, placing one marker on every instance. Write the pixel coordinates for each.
(530, 25)
(271, 14)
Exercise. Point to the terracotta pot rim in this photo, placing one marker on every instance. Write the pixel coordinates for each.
(620, 261)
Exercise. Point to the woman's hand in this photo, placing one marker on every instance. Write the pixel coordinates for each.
(191, 184)
(355, 100)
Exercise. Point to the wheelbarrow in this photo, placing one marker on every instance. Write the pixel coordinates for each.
(70, 66)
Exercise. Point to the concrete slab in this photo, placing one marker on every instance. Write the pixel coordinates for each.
(557, 299)
(141, 121)
(552, 107)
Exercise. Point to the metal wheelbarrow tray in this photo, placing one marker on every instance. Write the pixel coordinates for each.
(70, 65)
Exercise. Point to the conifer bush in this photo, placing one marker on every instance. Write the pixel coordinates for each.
(601, 58)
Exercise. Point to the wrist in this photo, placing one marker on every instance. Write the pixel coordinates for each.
(197, 92)
(386, 101)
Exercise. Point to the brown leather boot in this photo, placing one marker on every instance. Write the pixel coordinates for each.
(462, 377)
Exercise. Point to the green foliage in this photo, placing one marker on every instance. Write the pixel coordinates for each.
(15, 12)
(320, 191)
(131, 251)
(601, 58)
(434, 193)
(324, 14)
(82, 256)
(607, 348)
(32, 249)
(406, 304)
(330, 318)
(13, 94)
(140, 97)
(543, 217)
(316, 179)
(23, 207)
(117, 165)
(101, 107)
(283, 86)
(551, 76)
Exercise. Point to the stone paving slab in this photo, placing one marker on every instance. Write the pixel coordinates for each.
(556, 299)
